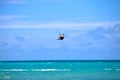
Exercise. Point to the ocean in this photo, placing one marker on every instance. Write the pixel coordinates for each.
(59, 70)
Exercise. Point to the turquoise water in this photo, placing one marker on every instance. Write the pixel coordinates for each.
(60, 70)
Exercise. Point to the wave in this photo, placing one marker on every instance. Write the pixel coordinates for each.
(107, 69)
(117, 69)
(20, 70)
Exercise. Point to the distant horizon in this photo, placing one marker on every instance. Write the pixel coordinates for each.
(61, 60)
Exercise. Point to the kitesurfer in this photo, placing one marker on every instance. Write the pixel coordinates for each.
(60, 37)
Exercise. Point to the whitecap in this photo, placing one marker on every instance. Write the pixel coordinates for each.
(107, 69)
(13, 70)
(7, 77)
(20, 70)
(118, 69)
(50, 70)
(55, 70)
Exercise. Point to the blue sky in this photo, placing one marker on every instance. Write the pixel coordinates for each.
(28, 29)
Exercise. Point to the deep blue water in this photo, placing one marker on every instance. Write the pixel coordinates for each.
(60, 70)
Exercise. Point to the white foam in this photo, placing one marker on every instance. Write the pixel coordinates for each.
(13, 70)
(118, 69)
(7, 77)
(107, 69)
(55, 70)
(9, 70)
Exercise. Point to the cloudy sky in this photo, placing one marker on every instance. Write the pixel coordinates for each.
(28, 29)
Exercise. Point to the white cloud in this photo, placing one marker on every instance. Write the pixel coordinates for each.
(10, 17)
(16, 2)
(64, 25)
(84, 18)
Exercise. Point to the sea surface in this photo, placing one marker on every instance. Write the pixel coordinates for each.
(59, 70)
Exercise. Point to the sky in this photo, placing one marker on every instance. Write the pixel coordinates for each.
(28, 29)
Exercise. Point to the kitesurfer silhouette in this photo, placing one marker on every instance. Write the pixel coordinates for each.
(61, 36)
